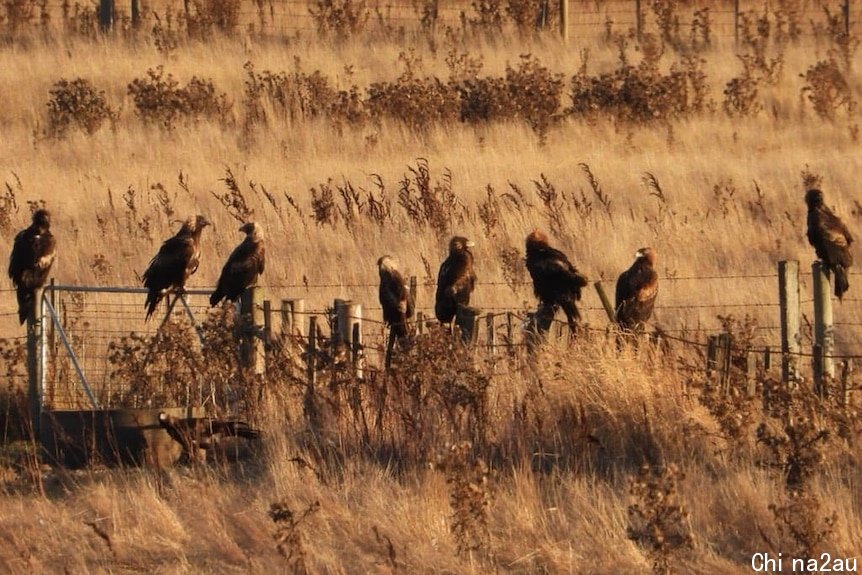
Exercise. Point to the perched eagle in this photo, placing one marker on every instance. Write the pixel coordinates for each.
(831, 240)
(556, 282)
(32, 256)
(637, 288)
(455, 281)
(243, 267)
(394, 297)
(178, 258)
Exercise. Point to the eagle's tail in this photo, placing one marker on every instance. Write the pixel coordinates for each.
(153, 299)
(25, 303)
(216, 297)
(842, 284)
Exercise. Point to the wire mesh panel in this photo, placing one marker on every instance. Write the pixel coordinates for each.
(93, 334)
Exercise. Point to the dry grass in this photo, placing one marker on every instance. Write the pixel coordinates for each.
(544, 486)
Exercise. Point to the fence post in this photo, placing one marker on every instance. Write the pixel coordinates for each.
(751, 372)
(788, 297)
(510, 332)
(846, 10)
(492, 334)
(291, 320)
(413, 289)
(348, 317)
(606, 302)
(251, 325)
(824, 333)
(845, 382)
(267, 324)
(136, 13)
(736, 23)
(466, 319)
(564, 20)
(638, 18)
(711, 356)
(420, 323)
(106, 14)
(35, 361)
(311, 362)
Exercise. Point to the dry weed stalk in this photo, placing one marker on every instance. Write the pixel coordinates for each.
(289, 538)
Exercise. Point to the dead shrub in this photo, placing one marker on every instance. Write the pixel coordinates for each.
(76, 104)
(160, 100)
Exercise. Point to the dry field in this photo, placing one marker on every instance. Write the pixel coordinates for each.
(581, 459)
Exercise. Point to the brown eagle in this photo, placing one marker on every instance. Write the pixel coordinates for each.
(33, 254)
(637, 288)
(243, 267)
(831, 240)
(177, 259)
(556, 282)
(455, 281)
(395, 297)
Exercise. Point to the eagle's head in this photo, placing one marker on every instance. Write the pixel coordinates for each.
(537, 239)
(42, 219)
(814, 198)
(201, 222)
(387, 264)
(648, 254)
(460, 244)
(252, 230)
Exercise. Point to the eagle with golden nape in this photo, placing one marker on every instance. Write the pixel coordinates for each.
(175, 262)
(455, 280)
(243, 266)
(831, 240)
(556, 281)
(637, 289)
(33, 254)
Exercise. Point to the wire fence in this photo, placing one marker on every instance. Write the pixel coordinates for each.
(94, 321)
(586, 18)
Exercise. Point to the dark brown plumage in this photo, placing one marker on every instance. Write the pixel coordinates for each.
(556, 282)
(455, 280)
(177, 259)
(394, 296)
(201, 433)
(243, 267)
(637, 288)
(33, 254)
(831, 240)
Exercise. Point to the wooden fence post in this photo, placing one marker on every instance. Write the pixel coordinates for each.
(311, 362)
(291, 316)
(466, 318)
(35, 361)
(420, 323)
(638, 18)
(845, 382)
(846, 10)
(510, 332)
(606, 302)
(348, 317)
(824, 333)
(413, 289)
(267, 324)
(251, 325)
(136, 13)
(751, 372)
(106, 14)
(736, 23)
(788, 297)
(492, 334)
(564, 20)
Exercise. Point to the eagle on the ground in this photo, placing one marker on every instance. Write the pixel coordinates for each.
(395, 298)
(455, 281)
(637, 288)
(243, 267)
(177, 259)
(556, 282)
(33, 254)
(831, 240)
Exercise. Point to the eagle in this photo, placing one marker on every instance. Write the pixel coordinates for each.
(177, 259)
(637, 288)
(831, 240)
(455, 280)
(395, 298)
(556, 282)
(243, 267)
(33, 254)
